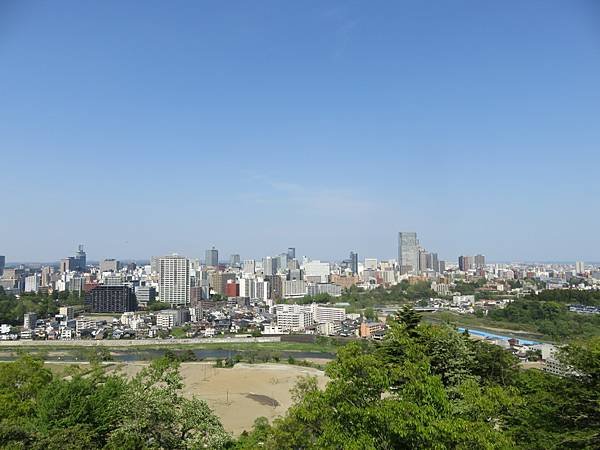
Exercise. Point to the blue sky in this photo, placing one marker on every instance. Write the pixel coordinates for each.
(142, 128)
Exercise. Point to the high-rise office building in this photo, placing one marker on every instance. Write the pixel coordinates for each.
(424, 258)
(465, 263)
(282, 261)
(579, 267)
(435, 264)
(75, 263)
(270, 265)
(212, 257)
(291, 253)
(479, 261)
(442, 266)
(2, 264)
(80, 259)
(235, 260)
(408, 252)
(174, 281)
(354, 263)
(66, 265)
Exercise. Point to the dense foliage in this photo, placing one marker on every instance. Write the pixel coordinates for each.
(427, 386)
(569, 296)
(359, 298)
(12, 308)
(39, 410)
(550, 318)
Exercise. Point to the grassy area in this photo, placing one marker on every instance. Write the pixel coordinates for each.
(325, 347)
(280, 346)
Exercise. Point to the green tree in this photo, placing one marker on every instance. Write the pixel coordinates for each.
(153, 414)
(408, 317)
(370, 314)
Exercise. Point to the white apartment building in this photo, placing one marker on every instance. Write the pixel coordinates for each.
(294, 321)
(168, 318)
(247, 287)
(317, 269)
(83, 323)
(261, 290)
(174, 282)
(32, 283)
(299, 317)
(323, 314)
(294, 288)
(388, 276)
(328, 328)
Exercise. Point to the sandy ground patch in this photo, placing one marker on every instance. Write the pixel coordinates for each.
(243, 393)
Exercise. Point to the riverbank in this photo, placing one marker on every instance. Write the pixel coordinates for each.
(271, 343)
(469, 321)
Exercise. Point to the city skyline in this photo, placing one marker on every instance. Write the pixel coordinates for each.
(225, 260)
(325, 125)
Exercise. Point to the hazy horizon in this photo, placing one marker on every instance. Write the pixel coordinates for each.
(142, 129)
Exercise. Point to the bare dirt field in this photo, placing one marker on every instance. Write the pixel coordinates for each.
(243, 393)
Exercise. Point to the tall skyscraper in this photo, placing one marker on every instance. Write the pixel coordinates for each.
(435, 265)
(2, 264)
(424, 259)
(291, 252)
(408, 252)
(174, 281)
(465, 263)
(212, 257)
(354, 263)
(80, 259)
(579, 267)
(235, 260)
(270, 265)
(282, 261)
(479, 261)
